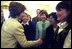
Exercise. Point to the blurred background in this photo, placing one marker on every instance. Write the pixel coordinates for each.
(31, 6)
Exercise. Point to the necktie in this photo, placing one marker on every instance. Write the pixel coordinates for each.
(43, 29)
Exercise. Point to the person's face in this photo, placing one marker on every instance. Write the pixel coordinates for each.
(1, 13)
(21, 15)
(25, 18)
(29, 18)
(38, 12)
(52, 21)
(61, 14)
(43, 17)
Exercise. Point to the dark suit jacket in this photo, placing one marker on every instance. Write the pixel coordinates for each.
(30, 31)
(60, 38)
(48, 39)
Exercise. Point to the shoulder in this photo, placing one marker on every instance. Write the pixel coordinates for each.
(34, 18)
(50, 29)
(47, 21)
(39, 22)
(12, 23)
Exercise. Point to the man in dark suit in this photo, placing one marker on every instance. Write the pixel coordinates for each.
(36, 19)
(29, 28)
(49, 37)
(29, 31)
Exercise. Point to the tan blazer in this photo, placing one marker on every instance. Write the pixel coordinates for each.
(11, 32)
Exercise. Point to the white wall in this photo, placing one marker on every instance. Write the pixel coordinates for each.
(33, 5)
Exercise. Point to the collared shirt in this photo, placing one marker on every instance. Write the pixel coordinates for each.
(62, 26)
(27, 23)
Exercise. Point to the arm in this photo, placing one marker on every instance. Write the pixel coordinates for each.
(20, 37)
(37, 33)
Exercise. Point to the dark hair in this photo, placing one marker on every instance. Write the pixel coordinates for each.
(53, 14)
(44, 12)
(68, 20)
(38, 9)
(64, 5)
(15, 9)
(26, 14)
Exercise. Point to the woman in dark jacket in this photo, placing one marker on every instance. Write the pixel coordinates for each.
(49, 37)
(64, 16)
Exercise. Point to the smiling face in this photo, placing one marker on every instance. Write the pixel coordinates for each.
(43, 17)
(21, 15)
(25, 18)
(37, 11)
(61, 14)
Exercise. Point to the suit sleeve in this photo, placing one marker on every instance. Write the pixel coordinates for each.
(21, 38)
(49, 36)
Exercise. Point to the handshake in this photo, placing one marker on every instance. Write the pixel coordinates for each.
(39, 42)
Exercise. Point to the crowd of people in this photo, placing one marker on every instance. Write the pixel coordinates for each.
(43, 31)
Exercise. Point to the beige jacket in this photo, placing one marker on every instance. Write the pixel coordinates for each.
(12, 32)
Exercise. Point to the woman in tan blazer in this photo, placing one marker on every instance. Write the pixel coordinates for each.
(12, 31)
